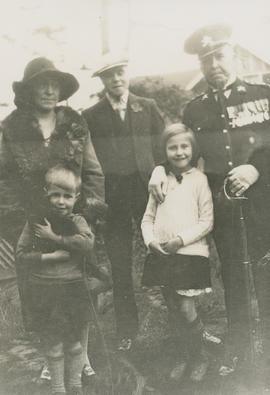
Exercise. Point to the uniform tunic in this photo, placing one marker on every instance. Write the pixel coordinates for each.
(222, 148)
(248, 115)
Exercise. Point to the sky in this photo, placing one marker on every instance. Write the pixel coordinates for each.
(153, 31)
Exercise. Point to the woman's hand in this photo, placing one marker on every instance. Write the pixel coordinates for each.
(45, 231)
(158, 184)
(173, 245)
(156, 248)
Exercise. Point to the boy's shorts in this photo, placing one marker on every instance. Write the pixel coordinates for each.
(59, 311)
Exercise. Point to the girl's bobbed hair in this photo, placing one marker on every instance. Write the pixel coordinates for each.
(179, 128)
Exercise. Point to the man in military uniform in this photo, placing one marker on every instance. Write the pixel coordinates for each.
(231, 123)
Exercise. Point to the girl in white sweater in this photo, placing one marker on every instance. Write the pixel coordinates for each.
(175, 234)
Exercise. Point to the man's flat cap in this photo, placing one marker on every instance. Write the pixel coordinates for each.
(208, 39)
(109, 61)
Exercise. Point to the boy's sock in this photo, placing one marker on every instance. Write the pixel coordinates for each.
(56, 366)
(74, 366)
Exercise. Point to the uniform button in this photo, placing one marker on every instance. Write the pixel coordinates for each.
(198, 128)
(252, 140)
(227, 147)
(230, 163)
(222, 116)
(225, 131)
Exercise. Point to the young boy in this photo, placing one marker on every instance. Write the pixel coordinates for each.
(54, 254)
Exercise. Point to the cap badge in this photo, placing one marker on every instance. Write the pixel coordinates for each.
(206, 40)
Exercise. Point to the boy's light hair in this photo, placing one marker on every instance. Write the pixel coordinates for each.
(177, 129)
(63, 177)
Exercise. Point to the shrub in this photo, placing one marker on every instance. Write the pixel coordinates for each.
(170, 98)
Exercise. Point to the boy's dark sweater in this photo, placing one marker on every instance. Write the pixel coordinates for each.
(77, 239)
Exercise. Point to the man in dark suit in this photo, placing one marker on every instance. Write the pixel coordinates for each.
(126, 135)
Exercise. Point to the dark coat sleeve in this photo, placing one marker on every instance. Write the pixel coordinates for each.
(92, 175)
(157, 130)
(12, 215)
(82, 242)
(260, 159)
(25, 253)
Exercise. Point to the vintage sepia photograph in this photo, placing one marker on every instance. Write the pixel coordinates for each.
(135, 197)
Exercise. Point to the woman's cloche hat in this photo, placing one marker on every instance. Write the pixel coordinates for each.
(42, 66)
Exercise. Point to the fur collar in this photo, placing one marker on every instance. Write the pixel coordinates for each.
(24, 138)
(21, 125)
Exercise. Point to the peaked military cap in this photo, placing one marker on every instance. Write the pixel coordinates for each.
(208, 39)
(109, 61)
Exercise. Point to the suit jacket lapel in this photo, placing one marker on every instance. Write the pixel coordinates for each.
(136, 114)
(107, 122)
(141, 134)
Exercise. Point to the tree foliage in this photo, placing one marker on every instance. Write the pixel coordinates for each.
(170, 98)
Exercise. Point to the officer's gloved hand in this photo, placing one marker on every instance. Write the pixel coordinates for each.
(241, 178)
(158, 184)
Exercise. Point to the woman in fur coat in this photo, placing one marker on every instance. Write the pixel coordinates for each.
(36, 136)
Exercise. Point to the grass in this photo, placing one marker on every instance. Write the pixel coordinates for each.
(11, 326)
(126, 373)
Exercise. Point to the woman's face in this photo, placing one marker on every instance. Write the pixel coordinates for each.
(46, 93)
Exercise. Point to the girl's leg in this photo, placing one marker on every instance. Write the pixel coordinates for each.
(178, 327)
(55, 358)
(198, 359)
(74, 362)
(177, 323)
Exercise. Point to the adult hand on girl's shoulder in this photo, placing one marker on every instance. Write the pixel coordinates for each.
(173, 245)
(158, 184)
(156, 248)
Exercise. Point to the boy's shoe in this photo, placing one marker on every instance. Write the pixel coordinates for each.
(88, 371)
(45, 374)
(124, 344)
(208, 338)
(199, 369)
(178, 371)
(229, 366)
(88, 375)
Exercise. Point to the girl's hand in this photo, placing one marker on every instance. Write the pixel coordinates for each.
(156, 248)
(172, 246)
(45, 231)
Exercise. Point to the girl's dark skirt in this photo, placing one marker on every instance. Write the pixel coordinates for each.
(180, 271)
(59, 311)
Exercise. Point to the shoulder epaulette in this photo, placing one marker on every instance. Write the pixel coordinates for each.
(198, 99)
(261, 84)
